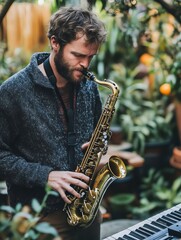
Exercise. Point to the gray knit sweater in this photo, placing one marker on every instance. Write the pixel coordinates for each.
(33, 140)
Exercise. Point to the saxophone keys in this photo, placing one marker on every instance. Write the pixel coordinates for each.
(73, 221)
(85, 218)
(89, 172)
(92, 195)
(91, 164)
(77, 203)
(87, 208)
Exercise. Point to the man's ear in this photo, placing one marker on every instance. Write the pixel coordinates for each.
(54, 44)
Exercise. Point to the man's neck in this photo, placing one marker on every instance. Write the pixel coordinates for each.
(61, 82)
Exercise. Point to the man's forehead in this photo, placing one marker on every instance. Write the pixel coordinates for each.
(81, 46)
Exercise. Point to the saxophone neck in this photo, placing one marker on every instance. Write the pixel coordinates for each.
(107, 83)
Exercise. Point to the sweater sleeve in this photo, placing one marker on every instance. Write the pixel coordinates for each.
(13, 167)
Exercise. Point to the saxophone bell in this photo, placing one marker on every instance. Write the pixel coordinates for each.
(117, 167)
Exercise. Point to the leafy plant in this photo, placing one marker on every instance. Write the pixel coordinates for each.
(22, 223)
(158, 192)
(173, 79)
(141, 53)
(143, 118)
(10, 65)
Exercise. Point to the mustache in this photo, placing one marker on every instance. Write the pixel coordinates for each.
(80, 69)
(83, 70)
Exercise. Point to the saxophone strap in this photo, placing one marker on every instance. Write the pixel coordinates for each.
(69, 113)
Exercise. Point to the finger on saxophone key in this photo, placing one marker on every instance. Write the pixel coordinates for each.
(63, 181)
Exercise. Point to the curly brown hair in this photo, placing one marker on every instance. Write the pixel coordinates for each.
(66, 23)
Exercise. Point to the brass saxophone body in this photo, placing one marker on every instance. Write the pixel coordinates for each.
(82, 211)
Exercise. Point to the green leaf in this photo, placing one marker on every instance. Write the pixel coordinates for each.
(171, 78)
(53, 193)
(22, 215)
(145, 131)
(46, 228)
(151, 124)
(176, 185)
(7, 209)
(31, 234)
(177, 200)
(36, 206)
(113, 39)
(4, 226)
(18, 207)
(163, 195)
(137, 86)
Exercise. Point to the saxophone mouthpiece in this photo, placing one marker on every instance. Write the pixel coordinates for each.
(84, 71)
(88, 75)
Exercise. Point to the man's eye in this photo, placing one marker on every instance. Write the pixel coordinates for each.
(78, 55)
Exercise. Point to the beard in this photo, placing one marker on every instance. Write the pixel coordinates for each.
(64, 69)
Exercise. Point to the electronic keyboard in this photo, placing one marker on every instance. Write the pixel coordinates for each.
(162, 226)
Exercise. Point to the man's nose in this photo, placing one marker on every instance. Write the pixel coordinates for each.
(85, 63)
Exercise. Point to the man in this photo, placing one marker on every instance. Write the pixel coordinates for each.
(48, 111)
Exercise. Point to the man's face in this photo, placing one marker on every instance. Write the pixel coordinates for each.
(73, 58)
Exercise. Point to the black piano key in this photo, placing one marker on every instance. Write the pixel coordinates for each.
(138, 236)
(151, 228)
(171, 220)
(158, 225)
(146, 234)
(141, 233)
(164, 222)
(150, 232)
(154, 229)
(174, 216)
(179, 210)
(128, 237)
(178, 213)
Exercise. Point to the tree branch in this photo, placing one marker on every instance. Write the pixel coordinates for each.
(173, 10)
(5, 9)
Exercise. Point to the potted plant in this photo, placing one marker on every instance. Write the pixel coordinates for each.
(172, 85)
(143, 118)
(160, 190)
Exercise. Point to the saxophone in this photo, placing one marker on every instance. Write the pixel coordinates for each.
(82, 211)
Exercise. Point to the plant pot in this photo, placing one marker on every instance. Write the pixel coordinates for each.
(175, 159)
(117, 136)
(178, 117)
(156, 155)
(177, 153)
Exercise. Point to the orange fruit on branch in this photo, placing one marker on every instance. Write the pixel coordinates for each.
(146, 59)
(165, 89)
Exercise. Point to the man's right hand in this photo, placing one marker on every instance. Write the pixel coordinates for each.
(62, 181)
